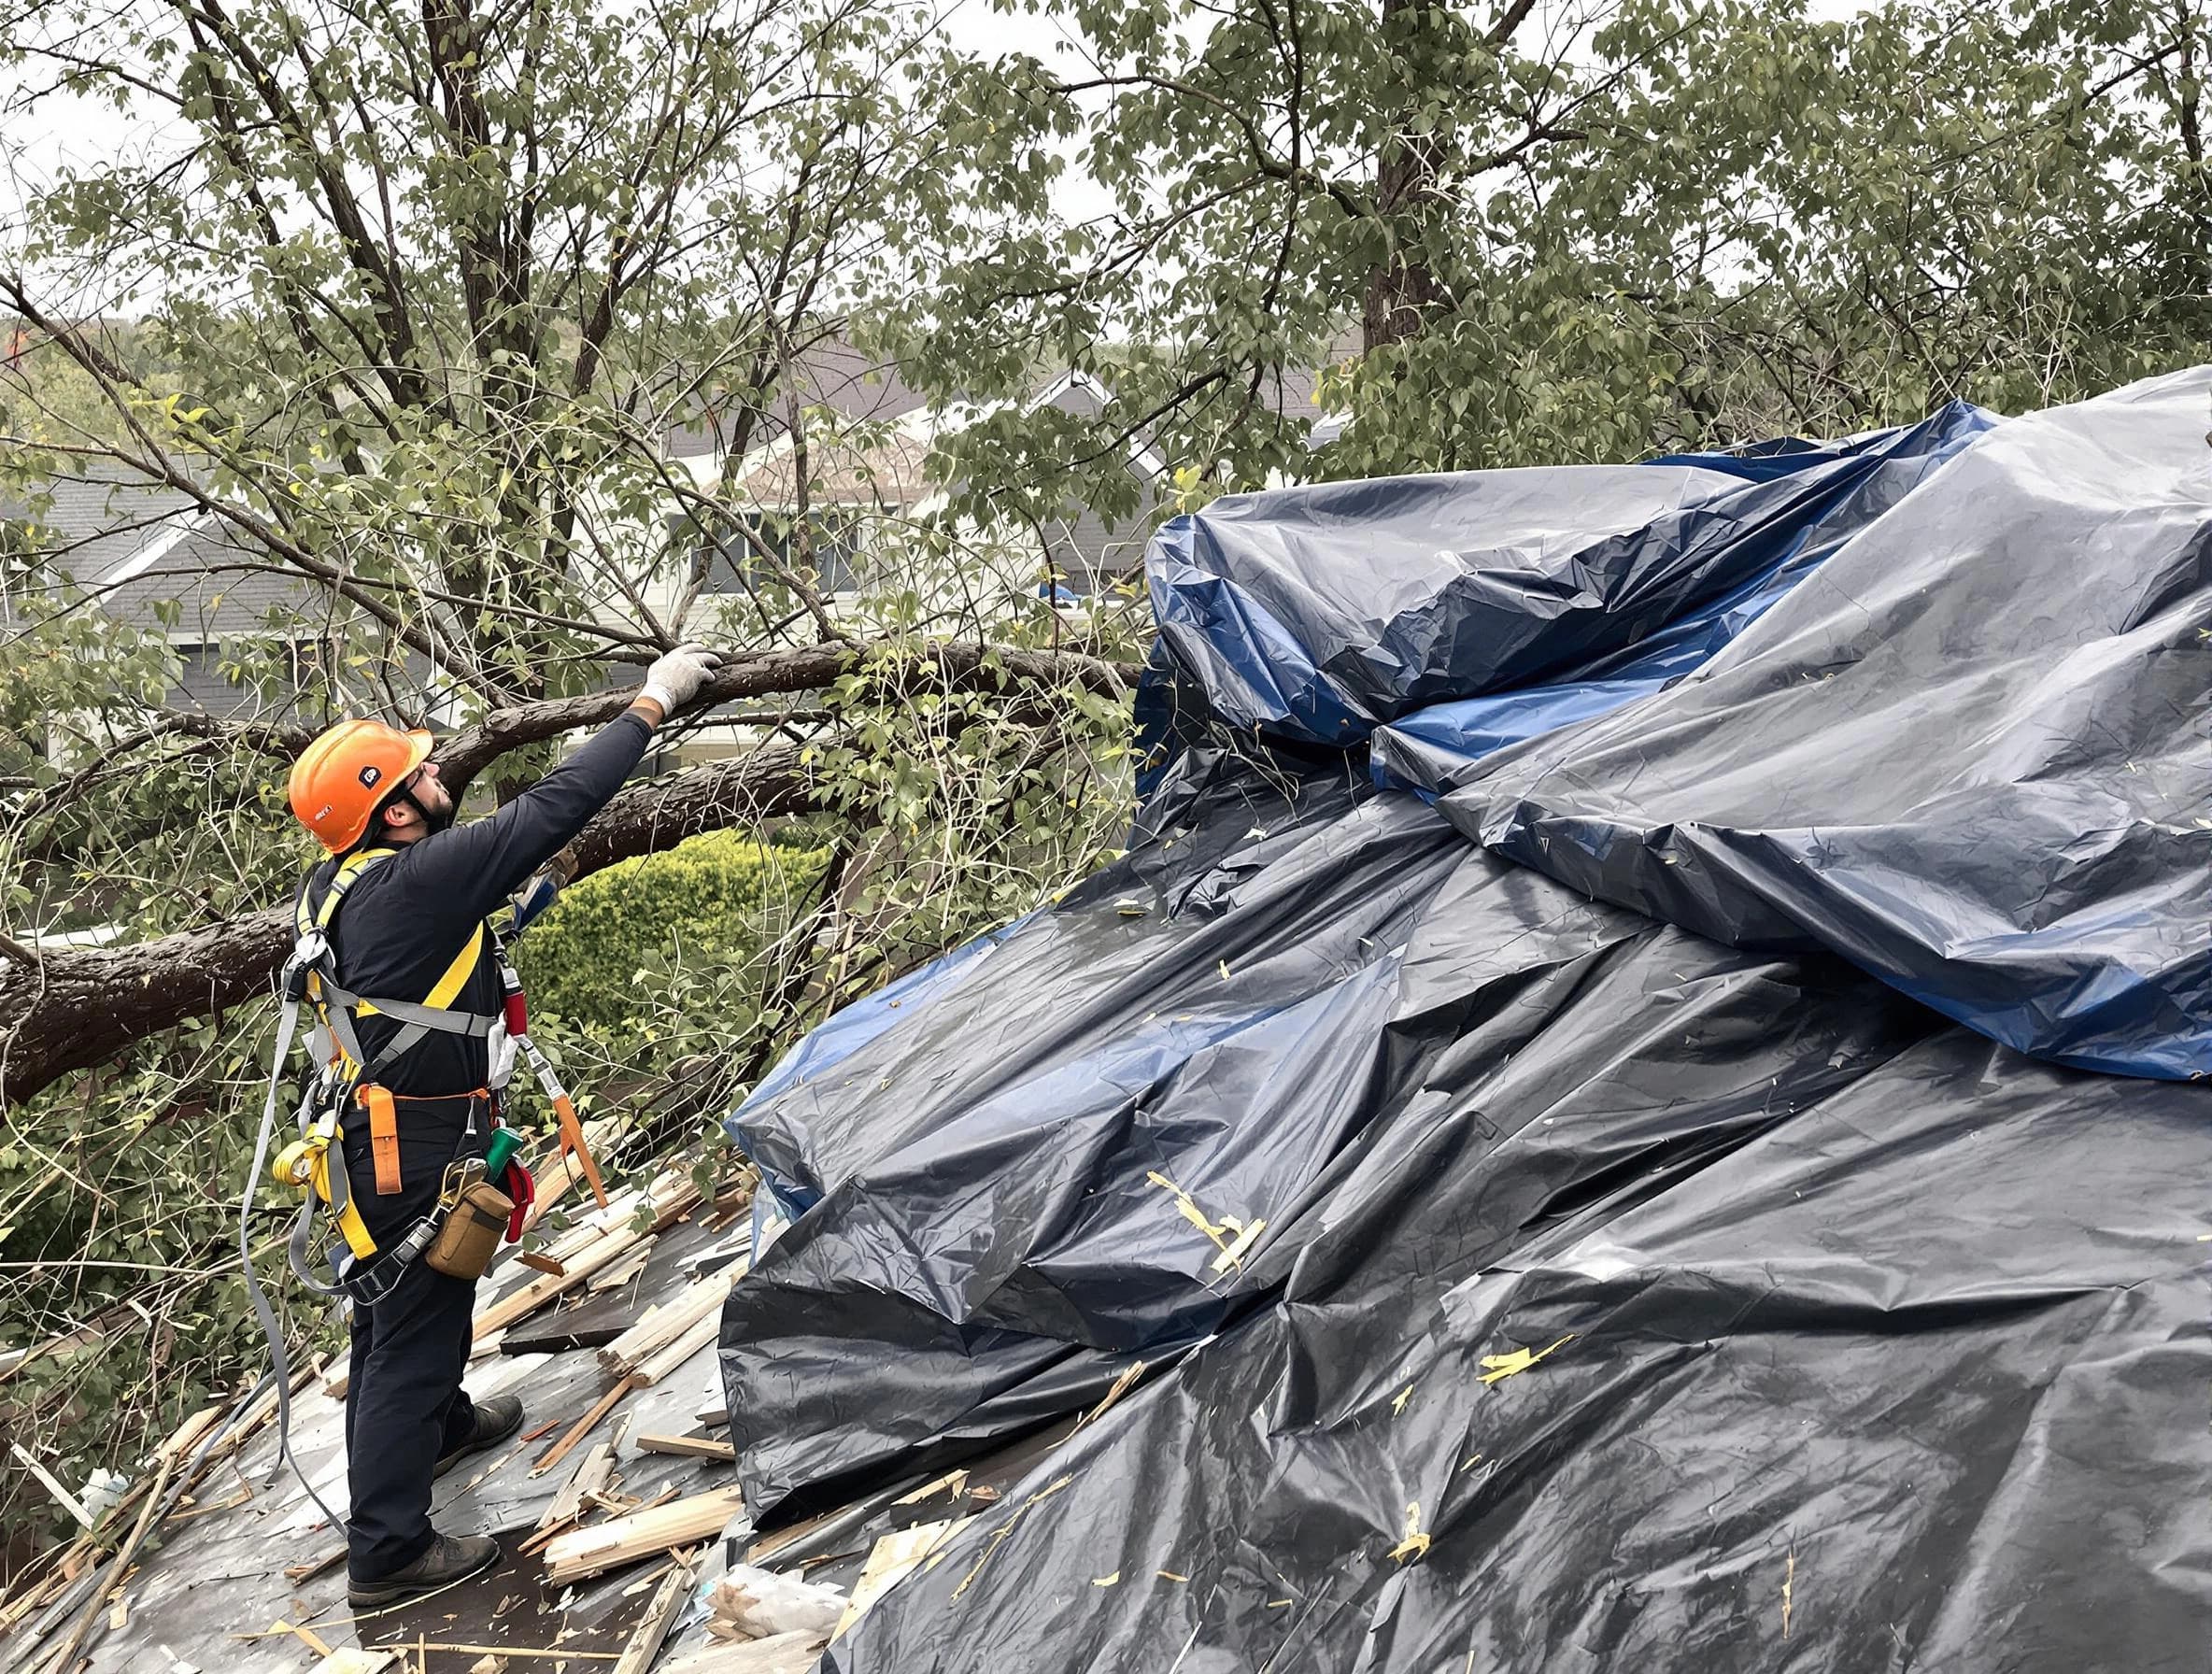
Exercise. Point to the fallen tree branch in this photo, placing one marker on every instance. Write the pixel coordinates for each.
(79, 1007)
(960, 664)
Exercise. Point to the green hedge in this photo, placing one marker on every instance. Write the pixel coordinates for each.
(710, 903)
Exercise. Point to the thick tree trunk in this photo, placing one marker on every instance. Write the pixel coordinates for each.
(80, 1007)
(1402, 292)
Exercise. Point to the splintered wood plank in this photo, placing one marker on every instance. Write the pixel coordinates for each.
(530, 1297)
(892, 1559)
(678, 1354)
(661, 1326)
(581, 1428)
(689, 1447)
(652, 1628)
(604, 1546)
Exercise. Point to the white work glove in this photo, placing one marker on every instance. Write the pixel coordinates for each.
(674, 680)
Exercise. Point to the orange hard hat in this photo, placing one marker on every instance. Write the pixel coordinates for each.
(340, 778)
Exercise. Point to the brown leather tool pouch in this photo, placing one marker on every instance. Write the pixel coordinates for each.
(471, 1235)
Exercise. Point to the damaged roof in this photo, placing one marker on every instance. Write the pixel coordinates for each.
(1634, 1102)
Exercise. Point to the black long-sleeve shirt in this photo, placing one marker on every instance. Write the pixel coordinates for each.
(405, 919)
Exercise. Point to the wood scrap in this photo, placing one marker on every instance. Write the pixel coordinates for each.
(351, 1659)
(299, 1572)
(758, 1604)
(306, 1636)
(688, 1447)
(891, 1560)
(587, 1551)
(951, 1482)
(678, 1355)
(582, 1427)
(185, 1435)
(488, 1665)
(122, 1566)
(528, 1298)
(592, 1476)
(663, 1324)
(787, 1653)
(767, 1546)
(538, 1263)
(623, 1271)
(66, 1501)
(660, 1613)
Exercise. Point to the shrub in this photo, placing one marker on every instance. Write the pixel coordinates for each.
(711, 902)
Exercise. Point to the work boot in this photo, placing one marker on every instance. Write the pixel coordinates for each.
(496, 1420)
(451, 1558)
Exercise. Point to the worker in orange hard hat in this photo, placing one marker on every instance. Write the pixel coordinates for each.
(341, 779)
(414, 1083)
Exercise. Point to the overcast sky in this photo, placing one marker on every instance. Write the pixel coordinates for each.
(84, 136)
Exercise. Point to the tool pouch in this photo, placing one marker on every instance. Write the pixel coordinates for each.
(473, 1229)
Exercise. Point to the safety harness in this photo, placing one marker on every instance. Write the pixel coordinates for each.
(346, 1080)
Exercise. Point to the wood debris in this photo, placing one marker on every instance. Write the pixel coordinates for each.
(661, 1614)
(892, 1559)
(659, 1327)
(689, 1447)
(588, 1551)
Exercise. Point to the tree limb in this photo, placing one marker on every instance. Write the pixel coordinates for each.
(79, 1007)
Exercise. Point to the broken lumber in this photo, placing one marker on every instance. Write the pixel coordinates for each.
(663, 1324)
(891, 1560)
(787, 1653)
(759, 1604)
(678, 1354)
(590, 1477)
(624, 1271)
(661, 1614)
(688, 1447)
(351, 1659)
(528, 1298)
(587, 1551)
(582, 1427)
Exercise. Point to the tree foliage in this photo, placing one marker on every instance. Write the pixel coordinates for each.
(1512, 234)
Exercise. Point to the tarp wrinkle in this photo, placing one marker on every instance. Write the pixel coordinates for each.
(1634, 1091)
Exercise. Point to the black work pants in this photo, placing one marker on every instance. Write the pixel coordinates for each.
(404, 1410)
(405, 1406)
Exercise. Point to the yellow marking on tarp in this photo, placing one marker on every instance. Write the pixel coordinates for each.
(1415, 1543)
(1505, 1366)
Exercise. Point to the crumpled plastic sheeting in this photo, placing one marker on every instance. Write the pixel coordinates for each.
(1064, 1151)
(1840, 1349)
(1312, 614)
(1432, 749)
(1971, 752)
(1525, 1281)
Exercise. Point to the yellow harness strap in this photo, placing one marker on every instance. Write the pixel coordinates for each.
(383, 1128)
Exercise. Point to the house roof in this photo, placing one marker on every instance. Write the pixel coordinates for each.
(97, 517)
(853, 384)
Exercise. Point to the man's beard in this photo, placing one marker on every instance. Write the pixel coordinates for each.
(432, 822)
